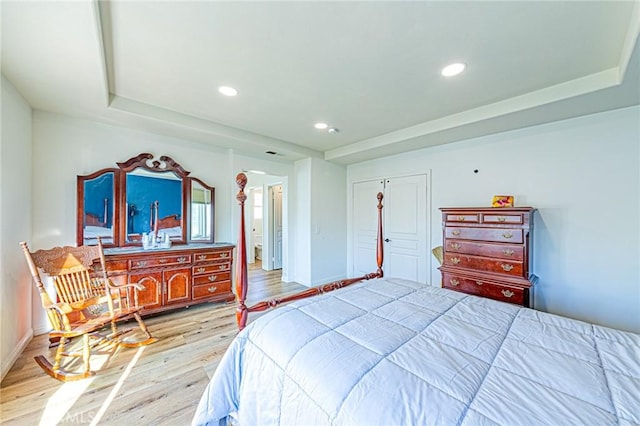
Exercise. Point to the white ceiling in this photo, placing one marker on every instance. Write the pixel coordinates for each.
(370, 69)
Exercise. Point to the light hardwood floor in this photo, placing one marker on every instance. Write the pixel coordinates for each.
(159, 384)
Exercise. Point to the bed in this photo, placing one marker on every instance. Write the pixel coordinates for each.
(392, 351)
(96, 226)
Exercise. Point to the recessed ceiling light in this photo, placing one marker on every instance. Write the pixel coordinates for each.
(333, 130)
(453, 69)
(321, 126)
(227, 91)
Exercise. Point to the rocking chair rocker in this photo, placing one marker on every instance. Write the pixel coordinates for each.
(88, 303)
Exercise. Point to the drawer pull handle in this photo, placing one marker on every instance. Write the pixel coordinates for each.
(501, 218)
(454, 246)
(141, 263)
(222, 267)
(212, 278)
(202, 257)
(508, 252)
(455, 260)
(224, 255)
(454, 282)
(507, 235)
(163, 260)
(479, 282)
(506, 267)
(456, 232)
(182, 259)
(507, 293)
(201, 269)
(461, 218)
(214, 288)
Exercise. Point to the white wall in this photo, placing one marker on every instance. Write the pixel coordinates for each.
(328, 222)
(320, 243)
(583, 177)
(15, 226)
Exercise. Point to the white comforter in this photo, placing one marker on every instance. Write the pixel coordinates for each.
(395, 352)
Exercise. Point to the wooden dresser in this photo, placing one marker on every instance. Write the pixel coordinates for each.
(179, 276)
(487, 252)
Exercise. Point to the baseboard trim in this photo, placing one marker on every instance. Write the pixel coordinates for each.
(15, 354)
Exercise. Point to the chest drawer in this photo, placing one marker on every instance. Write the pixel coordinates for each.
(478, 263)
(211, 278)
(212, 255)
(462, 217)
(152, 262)
(208, 290)
(492, 290)
(503, 218)
(485, 234)
(501, 251)
(214, 267)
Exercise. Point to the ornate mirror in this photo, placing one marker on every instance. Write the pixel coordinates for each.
(154, 192)
(144, 196)
(97, 208)
(201, 211)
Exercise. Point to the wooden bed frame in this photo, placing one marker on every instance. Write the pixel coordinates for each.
(91, 219)
(170, 221)
(242, 311)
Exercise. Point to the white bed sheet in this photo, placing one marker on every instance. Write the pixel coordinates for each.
(392, 351)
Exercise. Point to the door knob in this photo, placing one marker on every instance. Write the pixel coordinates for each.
(386, 240)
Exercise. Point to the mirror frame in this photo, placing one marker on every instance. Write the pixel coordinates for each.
(80, 219)
(213, 209)
(147, 162)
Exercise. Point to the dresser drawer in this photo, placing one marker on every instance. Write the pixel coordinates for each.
(516, 219)
(212, 255)
(211, 278)
(208, 290)
(462, 217)
(151, 262)
(485, 234)
(487, 264)
(501, 251)
(492, 290)
(214, 267)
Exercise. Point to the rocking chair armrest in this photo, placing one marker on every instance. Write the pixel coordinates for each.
(57, 313)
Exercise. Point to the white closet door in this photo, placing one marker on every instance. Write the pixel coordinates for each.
(405, 227)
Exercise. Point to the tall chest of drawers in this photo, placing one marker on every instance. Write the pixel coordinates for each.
(176, 277)
(487, 252)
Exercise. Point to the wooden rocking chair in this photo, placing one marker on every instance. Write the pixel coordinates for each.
(88, 303)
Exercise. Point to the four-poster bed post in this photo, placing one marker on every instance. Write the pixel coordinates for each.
(241, 280)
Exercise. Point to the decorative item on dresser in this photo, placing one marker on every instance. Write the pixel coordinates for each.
(179, 276)
(487, 252)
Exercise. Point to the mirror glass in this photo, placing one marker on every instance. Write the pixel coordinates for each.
(201, 212)
(98, 212)
(153, 204)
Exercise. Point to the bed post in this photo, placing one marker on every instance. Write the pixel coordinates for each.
(241, 253)
(380, 250)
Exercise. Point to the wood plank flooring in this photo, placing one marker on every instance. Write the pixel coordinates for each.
(159, 384)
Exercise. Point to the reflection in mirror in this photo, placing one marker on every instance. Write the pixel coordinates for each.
(154, 204)
(201, 210)
(98, 209)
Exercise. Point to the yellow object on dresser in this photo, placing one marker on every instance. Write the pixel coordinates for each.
(487, 252)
